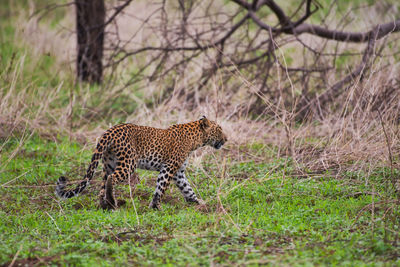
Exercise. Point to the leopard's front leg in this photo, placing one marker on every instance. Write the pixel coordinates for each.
(183, 184)
(164, 178)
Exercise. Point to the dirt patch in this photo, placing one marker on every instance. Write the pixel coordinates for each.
(208, 208)
(240, 176)
(227, 240)
(202, 208)
(78, 206)
(142, 194)
(36, 261)
(222, 255)
(172, 200)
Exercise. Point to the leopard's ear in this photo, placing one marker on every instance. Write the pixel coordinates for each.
(204, 123)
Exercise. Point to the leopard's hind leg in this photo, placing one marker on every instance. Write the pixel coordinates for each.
(109, 164)
(124, 169)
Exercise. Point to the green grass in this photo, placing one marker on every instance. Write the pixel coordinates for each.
(267, 217)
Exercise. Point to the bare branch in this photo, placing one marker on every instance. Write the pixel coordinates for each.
(307, 15)
(363, 65)
(357, 37)
(242, 3)
(283, 19)
(49, 8)
(118, 10)
(298, 27)
(183, 48)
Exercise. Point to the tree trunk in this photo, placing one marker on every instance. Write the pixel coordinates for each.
(90, 17)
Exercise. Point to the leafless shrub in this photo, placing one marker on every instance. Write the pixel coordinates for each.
(204, 41)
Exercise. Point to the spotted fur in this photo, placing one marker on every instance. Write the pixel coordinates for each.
(125, 147)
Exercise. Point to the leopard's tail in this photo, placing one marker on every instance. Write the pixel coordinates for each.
(62, 181)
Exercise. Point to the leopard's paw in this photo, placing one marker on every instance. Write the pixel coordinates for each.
(155, 205)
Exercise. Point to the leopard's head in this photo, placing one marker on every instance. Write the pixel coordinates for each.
(212, 133)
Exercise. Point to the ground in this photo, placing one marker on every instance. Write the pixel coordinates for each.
(257, 212)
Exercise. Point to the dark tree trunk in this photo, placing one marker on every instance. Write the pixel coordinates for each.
(90, 17)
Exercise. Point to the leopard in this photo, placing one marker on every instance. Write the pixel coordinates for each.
(126, 147)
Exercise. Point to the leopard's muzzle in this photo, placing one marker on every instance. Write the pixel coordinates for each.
(219, 144)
